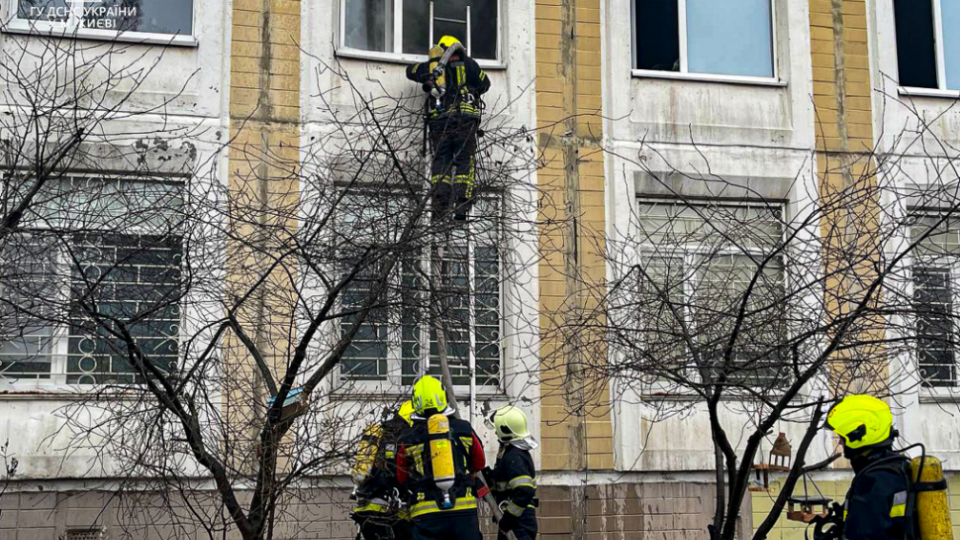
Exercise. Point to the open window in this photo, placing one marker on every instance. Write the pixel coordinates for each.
(408, 28)
(733, 38)
(928, 45)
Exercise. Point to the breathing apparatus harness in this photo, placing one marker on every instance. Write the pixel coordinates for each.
(830, 526)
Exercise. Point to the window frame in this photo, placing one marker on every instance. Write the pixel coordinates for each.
(952, 268)
(69, 29)
(344, 51)
(694, 251)
(941, 90)
(951, 263)
(392, 383)
(60, 335)
(686, 75)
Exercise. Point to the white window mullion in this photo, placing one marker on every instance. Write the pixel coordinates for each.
(472, 310)
(73, 23)
(423, 366)
(469, 33)
(954, 305)
(61, 334)
(938, 36)
(432, 40)
(682, 21)
(395, 339)
(398, 27)
(343, 23)
(773, 39)
(689, 290)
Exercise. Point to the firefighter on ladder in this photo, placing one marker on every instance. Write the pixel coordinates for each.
(437, 460)
(453, 122)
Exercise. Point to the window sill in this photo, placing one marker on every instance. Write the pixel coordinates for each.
(59, 392)
(704, 77)
(405, 59)
(145, 38)
(928, 92)
(940, 395)
(359, 394)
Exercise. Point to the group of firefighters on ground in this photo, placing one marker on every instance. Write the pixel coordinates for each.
(417, 476)
(417, 472)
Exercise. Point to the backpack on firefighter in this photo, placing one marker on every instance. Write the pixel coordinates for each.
(865, 422)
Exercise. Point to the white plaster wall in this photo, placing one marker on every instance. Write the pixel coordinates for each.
(731, 130)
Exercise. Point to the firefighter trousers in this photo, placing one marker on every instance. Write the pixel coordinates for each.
(453, 140)
(449, 525)
(526, 527)
(380, 527)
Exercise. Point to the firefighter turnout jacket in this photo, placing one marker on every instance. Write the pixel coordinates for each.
(880, 503)
(415, 472)
(514, 480)
(374, 492)
(465, 83)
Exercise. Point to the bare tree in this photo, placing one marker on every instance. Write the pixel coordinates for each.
(759, 311)
(236, 334)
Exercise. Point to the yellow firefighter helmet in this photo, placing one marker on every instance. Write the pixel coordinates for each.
(861, 421)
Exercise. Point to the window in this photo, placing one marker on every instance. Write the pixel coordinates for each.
(935, 278)
(928, 46)
(411, 27)
(50, 276)
(168, 17)
(398, 341)
(698, 261)
(733, 38)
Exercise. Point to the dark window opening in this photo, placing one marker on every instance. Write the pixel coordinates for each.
(658, 35)
(916, 46)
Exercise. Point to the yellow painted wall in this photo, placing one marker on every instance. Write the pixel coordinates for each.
(571, 238)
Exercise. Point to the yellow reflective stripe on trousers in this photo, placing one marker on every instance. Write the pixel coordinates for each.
(430, 507)
(372, 507)
(513, 508)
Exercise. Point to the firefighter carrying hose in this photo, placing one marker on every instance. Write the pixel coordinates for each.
(374, 474)
(891, 496)
(437, 460)
(455, 83)
(514, 477)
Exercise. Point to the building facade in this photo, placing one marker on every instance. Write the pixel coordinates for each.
(620, 95)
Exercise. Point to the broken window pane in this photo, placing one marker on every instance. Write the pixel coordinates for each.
(730, 38)
(658, 35)
(916, 43)
(369, 25)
